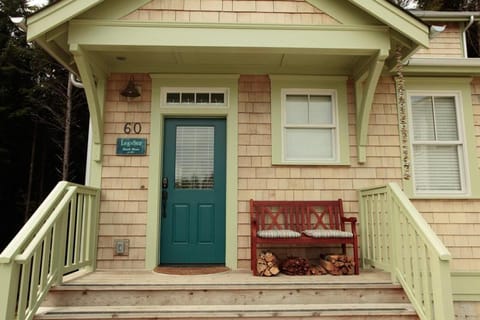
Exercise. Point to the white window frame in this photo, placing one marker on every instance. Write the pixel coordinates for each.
(166, 90)
(460, 143)
(335, 143)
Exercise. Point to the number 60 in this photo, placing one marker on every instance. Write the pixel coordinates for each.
(132, 127)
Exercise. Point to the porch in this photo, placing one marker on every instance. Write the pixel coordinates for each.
(40, 268)
(146, 294)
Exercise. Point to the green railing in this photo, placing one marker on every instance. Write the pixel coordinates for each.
(396, 238)
(59, 238)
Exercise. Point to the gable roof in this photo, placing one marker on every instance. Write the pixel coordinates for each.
(393, 16)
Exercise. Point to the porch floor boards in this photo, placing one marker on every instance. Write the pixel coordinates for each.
(242, 277)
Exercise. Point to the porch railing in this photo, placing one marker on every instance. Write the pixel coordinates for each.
(396, 238)
(59, 238)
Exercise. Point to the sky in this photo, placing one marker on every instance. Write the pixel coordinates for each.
(38, 2)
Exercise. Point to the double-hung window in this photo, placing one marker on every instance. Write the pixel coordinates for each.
(309, 125)
(437, 140)
(309, 120)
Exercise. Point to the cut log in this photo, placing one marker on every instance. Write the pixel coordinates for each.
(317, 270)
(295, 266)
(337, 264)
(267, 264)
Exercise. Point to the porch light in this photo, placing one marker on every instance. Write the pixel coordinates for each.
(130, 90)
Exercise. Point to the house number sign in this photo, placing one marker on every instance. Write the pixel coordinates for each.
(132, 127)
(132, 146)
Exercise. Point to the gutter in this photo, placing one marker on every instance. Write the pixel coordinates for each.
(445, 15)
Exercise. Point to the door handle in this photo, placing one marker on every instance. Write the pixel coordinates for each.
(164, 203)
(164, 196)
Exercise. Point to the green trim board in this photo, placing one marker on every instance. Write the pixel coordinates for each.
(466, 285)
(438, 66)
(158, 113)
(397, 19)
(338, 84)
(365, 86)
(92, 92)
(55, 15)
(96, 24)
(115, 34)
(344, 12)
(462, 86)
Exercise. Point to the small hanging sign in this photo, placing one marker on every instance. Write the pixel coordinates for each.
(131, 146)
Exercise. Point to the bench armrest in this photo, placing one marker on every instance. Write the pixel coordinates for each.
(353, 222)
(351, 219)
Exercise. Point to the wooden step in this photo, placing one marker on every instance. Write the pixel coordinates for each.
(238, 294)
(227, 312)
(231, 295)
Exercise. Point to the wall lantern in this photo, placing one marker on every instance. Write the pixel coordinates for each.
(130, 90)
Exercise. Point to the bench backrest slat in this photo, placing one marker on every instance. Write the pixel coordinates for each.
(297, 215)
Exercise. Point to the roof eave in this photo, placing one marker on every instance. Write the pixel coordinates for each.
(397, 18)
(427, 15)
(56, 14)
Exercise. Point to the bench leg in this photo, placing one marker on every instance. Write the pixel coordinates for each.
(253, 258)
(355, 257)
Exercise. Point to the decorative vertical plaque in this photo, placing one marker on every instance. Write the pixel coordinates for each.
(131, 146)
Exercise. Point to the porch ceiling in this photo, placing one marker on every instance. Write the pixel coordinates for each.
(199, 48)
(201, 60)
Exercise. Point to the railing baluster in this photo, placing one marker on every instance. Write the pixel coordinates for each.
(34, 280)
(46, 260)
(80, 230)
(426, 280)
(24, 289)
(9, 277)
(56, 240)
(72, 219)
(415, 256)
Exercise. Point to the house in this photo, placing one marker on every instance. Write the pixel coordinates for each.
(281, 100)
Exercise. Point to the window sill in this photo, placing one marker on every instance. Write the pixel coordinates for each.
(311, 163)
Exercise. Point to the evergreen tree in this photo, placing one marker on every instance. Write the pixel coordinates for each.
(403, 3)
(33, 95)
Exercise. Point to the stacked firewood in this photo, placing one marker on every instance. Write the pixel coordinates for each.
(295, 266)
(337, 264)
(267, 264)
(334, 264)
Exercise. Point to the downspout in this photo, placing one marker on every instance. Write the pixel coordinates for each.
(76, 83)
(470, 23)
(79, 84)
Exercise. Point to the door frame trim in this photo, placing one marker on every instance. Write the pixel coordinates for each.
(158, 115)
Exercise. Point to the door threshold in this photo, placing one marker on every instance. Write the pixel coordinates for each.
(191, 269)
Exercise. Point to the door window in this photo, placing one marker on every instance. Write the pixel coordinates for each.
(194, 157)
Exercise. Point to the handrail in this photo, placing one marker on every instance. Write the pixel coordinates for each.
(395, 237)
(59, 238)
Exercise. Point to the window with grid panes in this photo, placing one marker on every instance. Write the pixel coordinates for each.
(438, 149)
(309, 126)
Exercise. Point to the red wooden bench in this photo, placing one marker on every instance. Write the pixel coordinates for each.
(301, 223)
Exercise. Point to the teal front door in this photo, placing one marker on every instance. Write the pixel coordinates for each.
(193, 192)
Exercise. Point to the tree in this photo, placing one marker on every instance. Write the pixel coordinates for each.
(449, 5)
(33, 99)
(403, 3)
